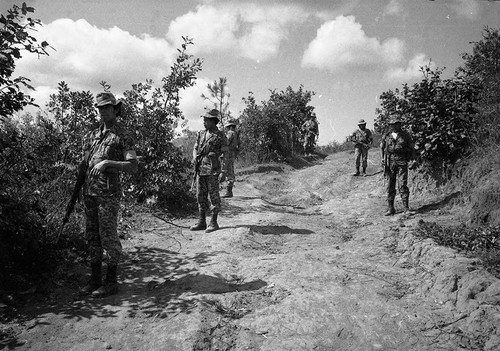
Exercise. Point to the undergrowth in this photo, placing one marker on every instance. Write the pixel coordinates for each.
(482, 242)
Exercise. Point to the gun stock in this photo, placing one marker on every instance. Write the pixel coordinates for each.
(75, 196)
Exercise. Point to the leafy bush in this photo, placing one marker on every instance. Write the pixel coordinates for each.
(480, 241)
(272, 131)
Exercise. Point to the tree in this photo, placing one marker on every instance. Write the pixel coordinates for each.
(15, 28)
(482, 66)
(273, 130)
(219, 97)
(439, 113)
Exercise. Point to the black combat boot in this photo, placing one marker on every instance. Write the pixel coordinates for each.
(202, 221)
(364, 172)
(213, 225)
(229, 190)
(110, 286)
(357, 172)
(390, 208)
(406, 206)
(95, 281)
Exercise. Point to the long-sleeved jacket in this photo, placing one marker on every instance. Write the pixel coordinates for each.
(209, 146)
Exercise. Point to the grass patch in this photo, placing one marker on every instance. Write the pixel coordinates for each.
(480, 241)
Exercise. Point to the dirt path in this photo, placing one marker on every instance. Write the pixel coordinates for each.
(304, 260)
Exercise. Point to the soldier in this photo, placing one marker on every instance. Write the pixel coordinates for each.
(210, 144)
(108, 152)
(233, 144)
(310, 132)
(398, 155)
(362, 139)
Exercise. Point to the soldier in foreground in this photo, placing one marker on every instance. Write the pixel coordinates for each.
(210, 144)
(362, 139)
(108, 152)
(398, 155)
(309, 133)
(233, 144)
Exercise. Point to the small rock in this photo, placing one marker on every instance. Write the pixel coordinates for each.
(108, 346)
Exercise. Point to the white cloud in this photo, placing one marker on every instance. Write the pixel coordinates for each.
(342, 44)
(467, 8)
(86, 55)
(394, 7)
(412, 70)
(244, 29)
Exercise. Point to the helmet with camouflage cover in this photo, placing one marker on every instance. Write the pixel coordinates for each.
(212, 114)
(231, 122)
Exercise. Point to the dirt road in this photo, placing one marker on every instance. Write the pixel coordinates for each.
(304, 260)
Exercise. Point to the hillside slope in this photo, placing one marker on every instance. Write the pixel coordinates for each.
(304, 260)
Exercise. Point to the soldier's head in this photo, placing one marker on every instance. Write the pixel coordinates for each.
(109, 108)
(211, 119)
(395, 122)
(231, 124)
(362, 124)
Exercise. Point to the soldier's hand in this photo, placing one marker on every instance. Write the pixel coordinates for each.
(98, 168)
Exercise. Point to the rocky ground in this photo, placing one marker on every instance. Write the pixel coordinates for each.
(304, 260)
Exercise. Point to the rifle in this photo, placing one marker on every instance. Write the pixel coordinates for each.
(80, 180)
(196, 166)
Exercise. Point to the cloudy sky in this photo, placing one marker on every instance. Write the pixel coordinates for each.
(347, 51)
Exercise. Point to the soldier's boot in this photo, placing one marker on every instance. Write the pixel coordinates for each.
(213, 225)
(202, 221)
(390, 208)
(229, 190)
(407, 206)
(95, 281)
(356, 173)
(364, 171)
(110, 286)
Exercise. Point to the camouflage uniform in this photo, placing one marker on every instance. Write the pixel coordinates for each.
(310, 131)
(102, 193)
(362, 140)
(233, 146)
(398, 150)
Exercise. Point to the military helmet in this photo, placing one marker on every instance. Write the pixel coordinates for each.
(212, 114)
(361, 122)
(106, 98)
(393, 119)
(231, 122)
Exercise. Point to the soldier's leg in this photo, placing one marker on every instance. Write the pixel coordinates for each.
(404, 191)
(94, 243)
(357, 158)
(364, 157)
(391, 191)
(213, 190)
(202, 198)
(230, 178)
(108, 228)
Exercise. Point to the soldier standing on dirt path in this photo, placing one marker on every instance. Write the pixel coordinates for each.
(398, 154)
(362, 139)
(309, 133)
(210, 144)
(233, 144)
(108, 152)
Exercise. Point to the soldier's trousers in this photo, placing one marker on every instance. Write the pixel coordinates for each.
(230, 171)
(101, 228)
(208, 186)
(361, 157)
(398, 173)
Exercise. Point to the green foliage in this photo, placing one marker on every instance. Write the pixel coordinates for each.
(153, 113)
(15, 38)
(440, 114)
(480, 241)
(219, 97)
(272, 131)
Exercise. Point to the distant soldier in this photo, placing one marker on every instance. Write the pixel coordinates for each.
(309, 133)
(398, 152)
(108, 152)
(210, 144)
(362, 139)
(233, 144)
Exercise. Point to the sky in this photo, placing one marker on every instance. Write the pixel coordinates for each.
(347, 52)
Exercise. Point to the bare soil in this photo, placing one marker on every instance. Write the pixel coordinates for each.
(304, 260)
